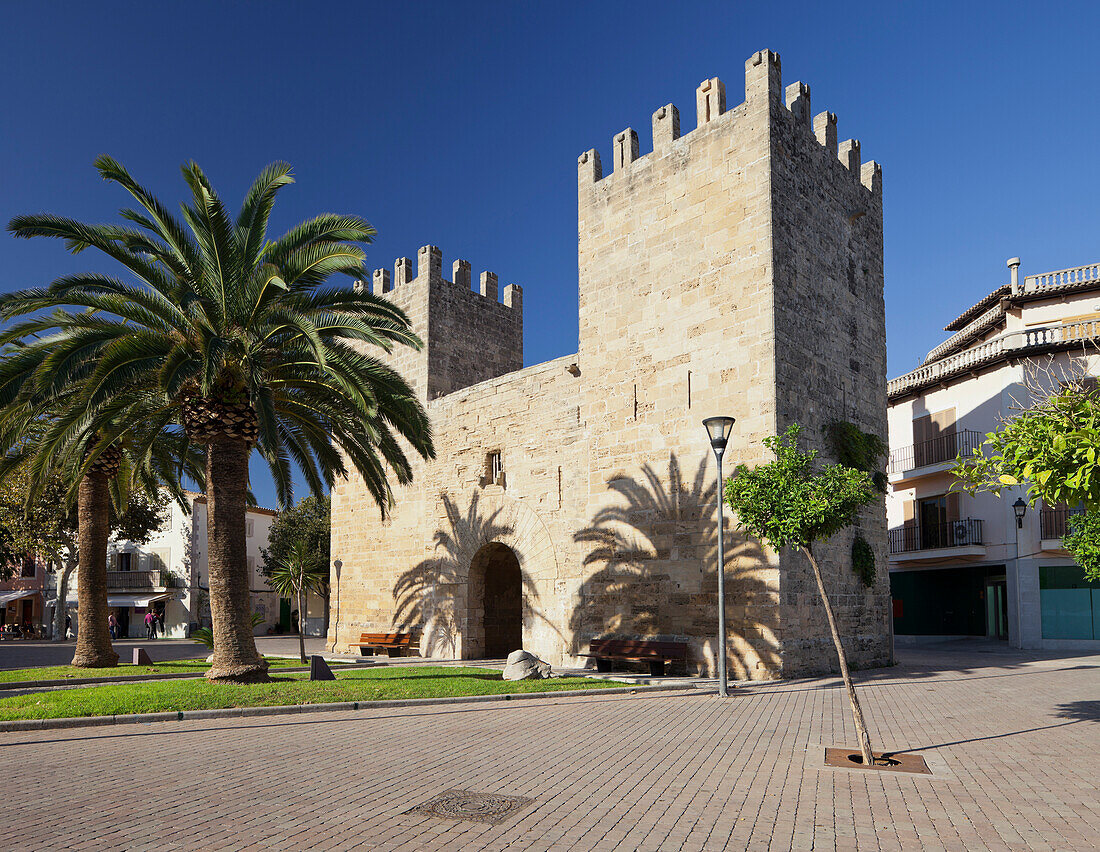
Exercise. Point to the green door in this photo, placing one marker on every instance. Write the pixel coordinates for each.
(284, 614)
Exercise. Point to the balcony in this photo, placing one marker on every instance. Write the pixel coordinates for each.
(917, 460)
(126, 580)
(1053, 525)
(930, 542)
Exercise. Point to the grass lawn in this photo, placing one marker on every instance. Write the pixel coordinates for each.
(356, 685)
(125, 670)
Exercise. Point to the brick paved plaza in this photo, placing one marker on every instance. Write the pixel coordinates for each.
(1012, 737)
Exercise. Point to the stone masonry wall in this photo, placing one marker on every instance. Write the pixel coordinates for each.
(830, 325)
(735, 269)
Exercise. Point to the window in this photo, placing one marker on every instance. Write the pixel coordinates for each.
(124, 561)
(28, 565)
(494, 468)
(1069, 604)
(249, 527)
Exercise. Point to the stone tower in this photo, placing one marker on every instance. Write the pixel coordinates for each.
(735, 269)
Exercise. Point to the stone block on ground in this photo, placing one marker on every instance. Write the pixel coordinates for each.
(142, 658)
(523, 665)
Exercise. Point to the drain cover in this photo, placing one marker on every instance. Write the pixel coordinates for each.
(474, 807)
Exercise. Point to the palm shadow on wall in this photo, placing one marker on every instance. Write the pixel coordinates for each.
(432, 596)
(655, 555)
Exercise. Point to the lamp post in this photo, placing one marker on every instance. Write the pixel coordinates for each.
(718, 430)
(1019, 508)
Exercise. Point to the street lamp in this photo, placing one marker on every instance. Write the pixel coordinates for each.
(718, 430)
(1020, 508)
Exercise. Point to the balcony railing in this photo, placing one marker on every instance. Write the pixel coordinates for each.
(960, 533)
(991, 350)
(118, 580)
(1075, 275)
(1054, 523)
(941, 449)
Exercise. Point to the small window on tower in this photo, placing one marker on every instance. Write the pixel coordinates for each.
(250, 527)
(28, 565)
(494, 468)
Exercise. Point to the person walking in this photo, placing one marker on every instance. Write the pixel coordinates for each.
(160, 622)
(112, 626)
(150, 625)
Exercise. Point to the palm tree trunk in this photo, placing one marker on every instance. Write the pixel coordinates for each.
(236, 659)
(93, 640)
(301, 625)
(857, 711)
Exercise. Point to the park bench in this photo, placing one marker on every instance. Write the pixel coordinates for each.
(393, 643)
(657, 654)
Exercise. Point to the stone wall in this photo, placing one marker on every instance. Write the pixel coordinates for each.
(734, 270)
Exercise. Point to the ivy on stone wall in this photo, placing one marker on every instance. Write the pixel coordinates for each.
(858, 449)
(863, 560)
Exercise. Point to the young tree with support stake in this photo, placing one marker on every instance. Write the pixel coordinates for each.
(788, 504)
(298, 574)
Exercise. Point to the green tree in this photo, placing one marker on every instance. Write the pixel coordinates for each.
(297, 575)
(242, 341)
(1051, 450)
(787, 503)
(47, 439)
(47, 527)
(307, 523)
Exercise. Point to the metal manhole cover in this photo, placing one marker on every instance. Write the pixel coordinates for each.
(474, 807)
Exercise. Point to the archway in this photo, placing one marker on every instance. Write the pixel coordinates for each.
(494, 623)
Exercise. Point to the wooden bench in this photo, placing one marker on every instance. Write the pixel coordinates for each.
(657, 654)
(393, 643)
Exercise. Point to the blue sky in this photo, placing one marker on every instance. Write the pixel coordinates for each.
(458, 124)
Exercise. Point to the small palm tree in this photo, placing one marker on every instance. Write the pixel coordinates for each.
(244, 344)
(299, 574)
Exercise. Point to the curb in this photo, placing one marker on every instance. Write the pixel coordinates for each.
(292, 709)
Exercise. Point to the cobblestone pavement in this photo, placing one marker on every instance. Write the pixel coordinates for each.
(1013, 740)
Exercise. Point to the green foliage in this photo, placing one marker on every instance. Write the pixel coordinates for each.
(787, 502)
(210, 317)
(205, 636)
(374, 684)
(298, 572)
(306, 524)
(1083, 541)
(1051, 449)
(863, 560)
(857, 449)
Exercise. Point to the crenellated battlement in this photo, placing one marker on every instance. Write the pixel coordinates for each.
(763, 86)
(429, 270)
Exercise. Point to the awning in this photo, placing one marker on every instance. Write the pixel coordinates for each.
(8, 597)
(133, 600)
(128, 600)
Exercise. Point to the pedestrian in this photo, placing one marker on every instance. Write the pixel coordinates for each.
(68, 626)
(150, 625)
(160, 622)
(112, 626)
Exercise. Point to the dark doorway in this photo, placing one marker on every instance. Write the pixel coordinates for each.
(954, 601)
(495, 600)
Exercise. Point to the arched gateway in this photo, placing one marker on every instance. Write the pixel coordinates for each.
(494, 617)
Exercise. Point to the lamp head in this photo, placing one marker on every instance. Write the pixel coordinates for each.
(1020, 508)
(718, 430)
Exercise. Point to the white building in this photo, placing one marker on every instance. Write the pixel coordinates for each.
(169, 573)
(961, 565)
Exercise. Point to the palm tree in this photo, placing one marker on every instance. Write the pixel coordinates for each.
(300, 573)
(245, 344)
(43, 440)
